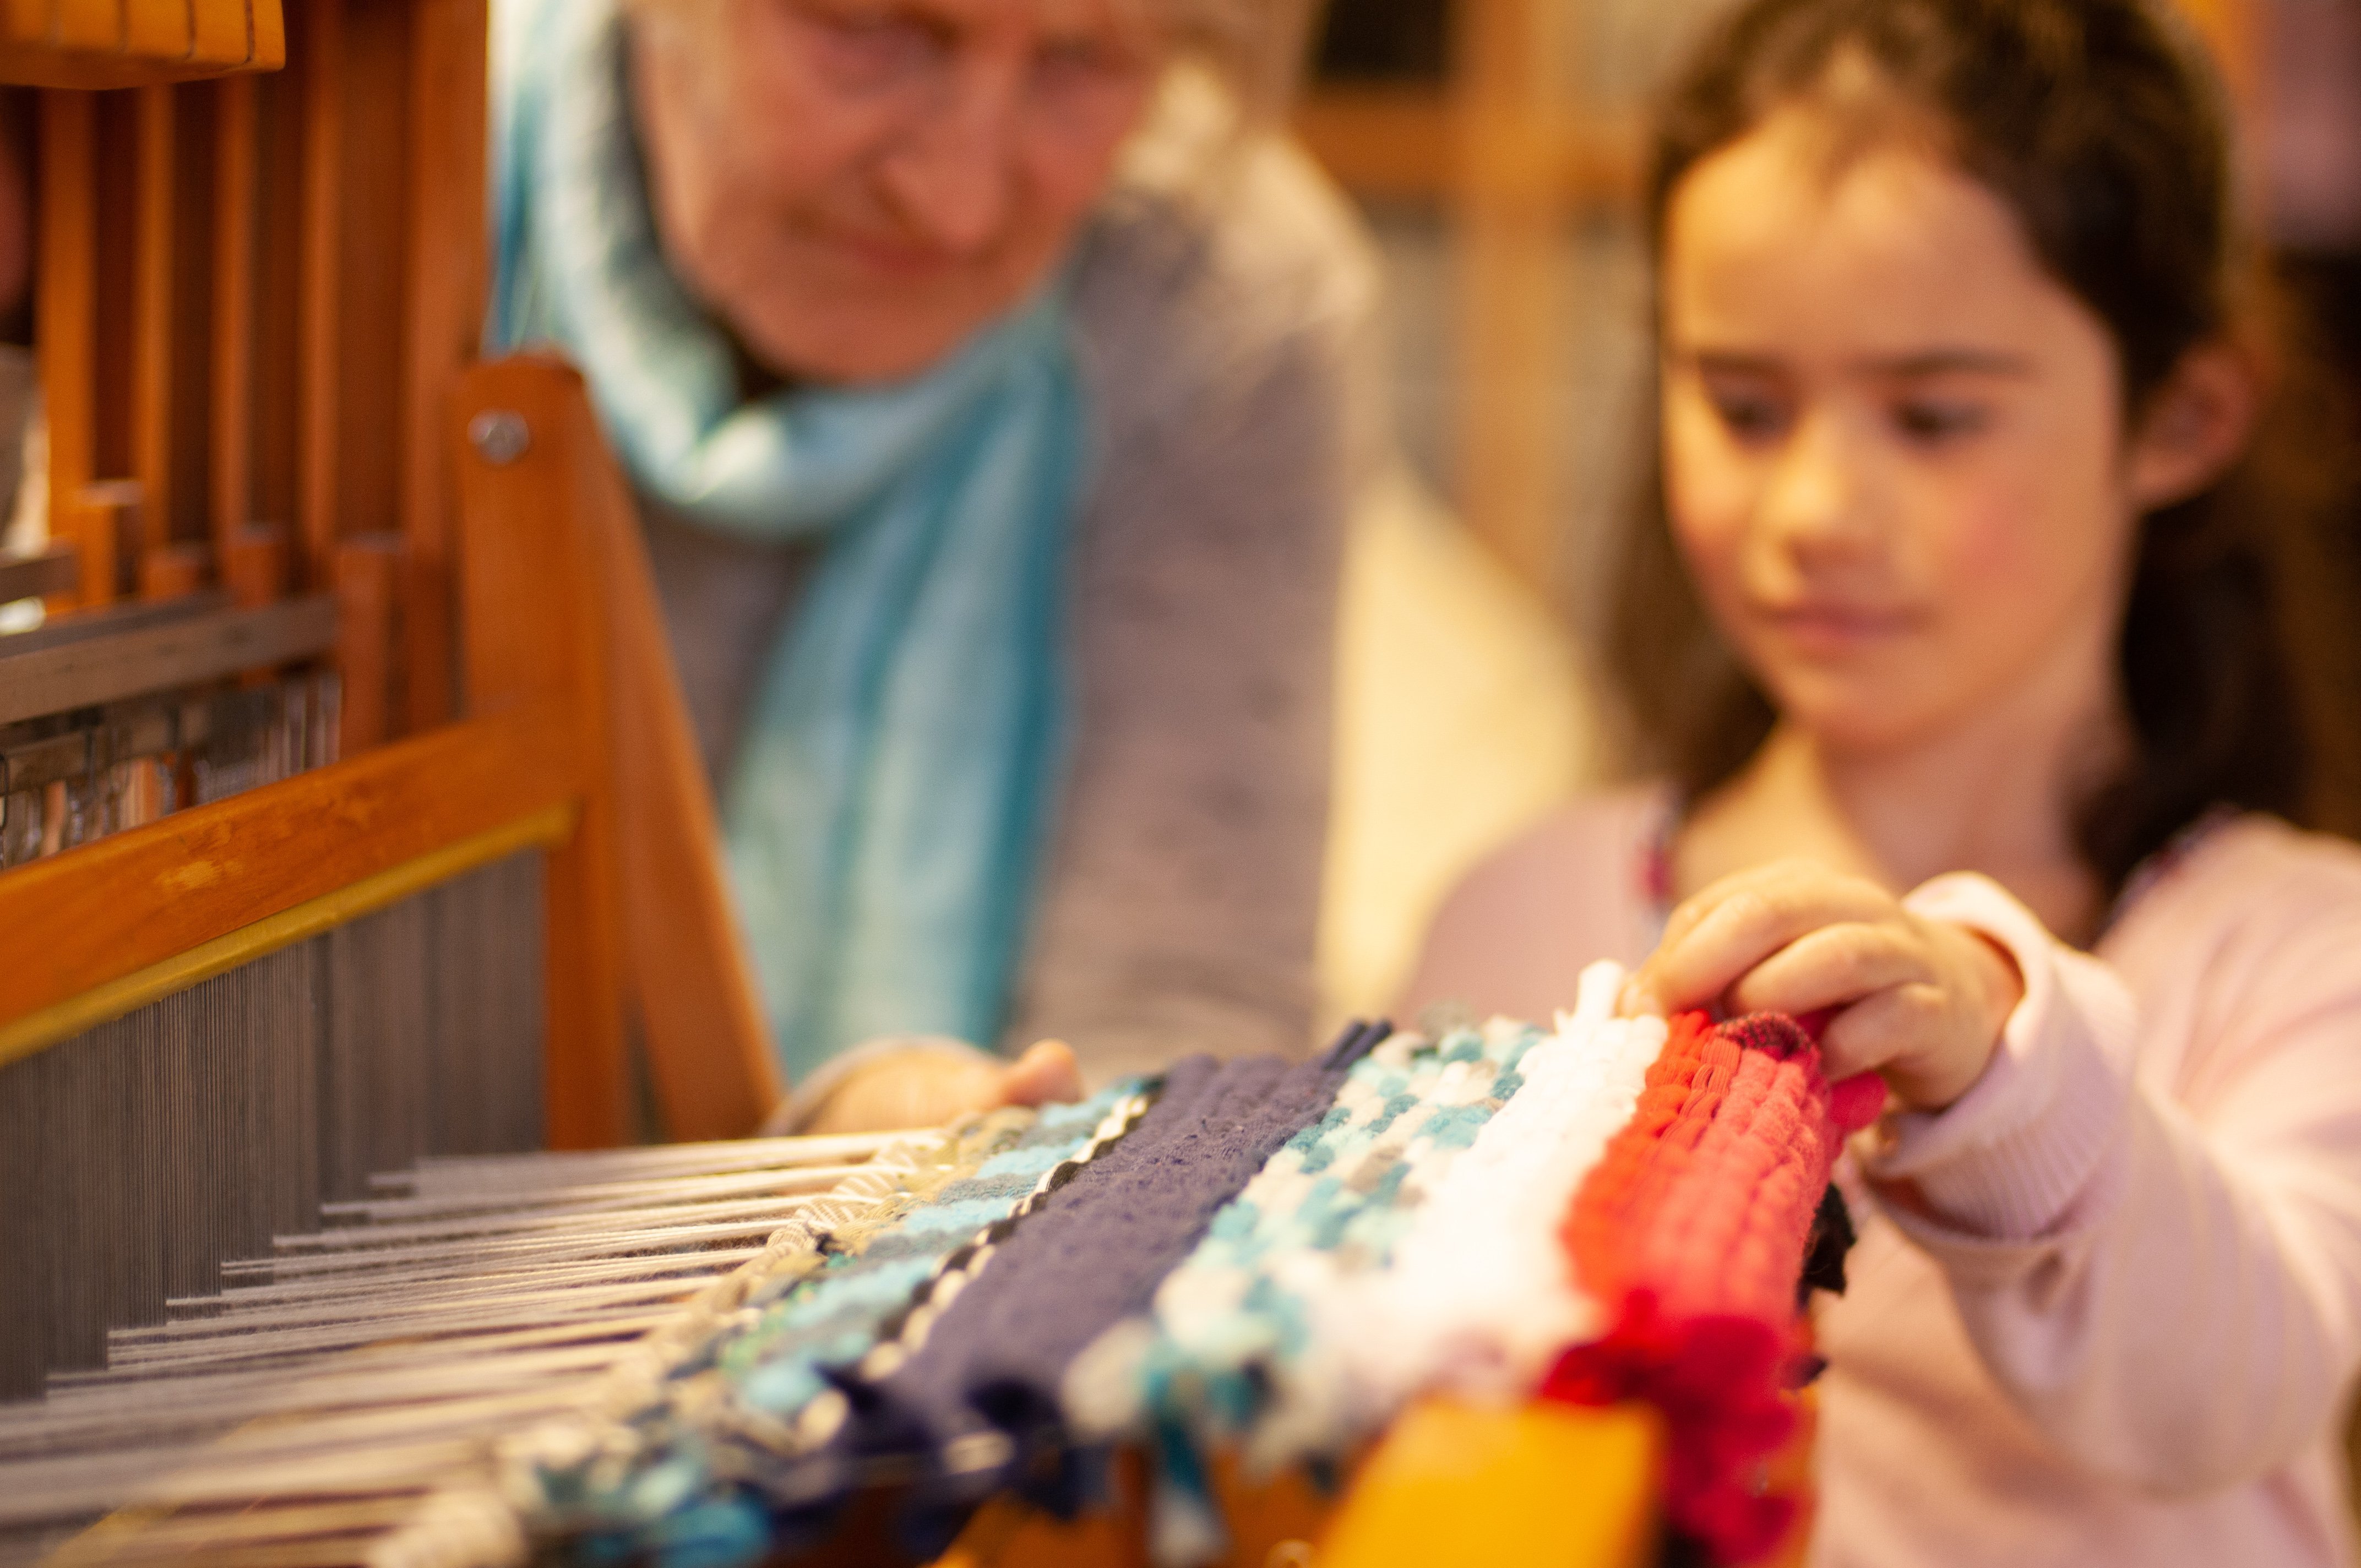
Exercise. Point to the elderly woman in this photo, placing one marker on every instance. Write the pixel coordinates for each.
(987, 370)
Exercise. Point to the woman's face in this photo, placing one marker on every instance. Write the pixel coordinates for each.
(1894, 447)
(856, 186)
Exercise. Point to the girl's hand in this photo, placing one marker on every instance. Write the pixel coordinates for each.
(1921, 1002)
(927, 1089)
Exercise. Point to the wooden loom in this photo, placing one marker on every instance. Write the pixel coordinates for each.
(260, 263)
(256, 302)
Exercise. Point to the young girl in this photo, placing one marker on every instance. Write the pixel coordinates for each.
(1988, 677)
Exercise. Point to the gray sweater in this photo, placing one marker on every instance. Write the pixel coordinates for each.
(1225, 309)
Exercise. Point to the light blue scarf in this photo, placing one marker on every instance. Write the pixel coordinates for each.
(887, 814)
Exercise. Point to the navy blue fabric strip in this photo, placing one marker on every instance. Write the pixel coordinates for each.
(1090, 1255)
(1348, 1039)
(1359, 1040)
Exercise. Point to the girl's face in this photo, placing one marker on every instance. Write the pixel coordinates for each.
(856, 186)
(1894, 447)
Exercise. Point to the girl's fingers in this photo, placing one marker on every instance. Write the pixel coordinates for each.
(1691, 910)
(1891, 1030)
(1831, 967)
(1733, 926)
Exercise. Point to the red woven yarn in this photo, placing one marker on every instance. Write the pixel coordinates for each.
(1692, 1231)
(1716, 1381)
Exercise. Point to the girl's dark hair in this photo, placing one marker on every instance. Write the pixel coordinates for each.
(2097, 125)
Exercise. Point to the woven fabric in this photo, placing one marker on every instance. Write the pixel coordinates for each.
(1692, 1232)
(1479, 1297)
(980, 1395)
(727, 1440)
(1225, 1356)
(1260, 1258)
(1223, 1346)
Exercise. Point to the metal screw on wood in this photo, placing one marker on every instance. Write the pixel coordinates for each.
(499, 437)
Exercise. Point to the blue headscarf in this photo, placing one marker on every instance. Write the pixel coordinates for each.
(887, 816)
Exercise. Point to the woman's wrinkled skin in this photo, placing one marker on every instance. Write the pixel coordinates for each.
(855, 187)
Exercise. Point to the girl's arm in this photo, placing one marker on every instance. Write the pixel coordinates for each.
(2165, 1281)
(2160, 1267)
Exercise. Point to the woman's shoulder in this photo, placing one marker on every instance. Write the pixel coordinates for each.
(1576, 886)
(1216, 252)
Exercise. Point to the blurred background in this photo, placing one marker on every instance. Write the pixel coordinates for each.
(1495, 148)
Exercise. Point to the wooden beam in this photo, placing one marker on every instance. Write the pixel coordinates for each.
(222, 31)
(181, 652)
(153, 323)
(265, 31)
(254, 565)
(108, 536)
(53, 1026)
(320, 343)
(534, 637)
(175, 571)
(40, 66)
(708, 1043)
(96, 44)
(1409, 144)
(1391, 143)
(237, 174)
(71, 25)
(1512, 338)
(444, 283)
(55, 570)
(66, 326)
(536, 464)
(112, 908)
(368, 582)
(157, 29)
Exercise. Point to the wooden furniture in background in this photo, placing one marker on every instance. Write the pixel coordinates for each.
(1511, 154)
(1512, 150)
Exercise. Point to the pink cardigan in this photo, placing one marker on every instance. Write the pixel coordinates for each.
(2120, 1321)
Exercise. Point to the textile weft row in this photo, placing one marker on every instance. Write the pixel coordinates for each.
(1249, 1266)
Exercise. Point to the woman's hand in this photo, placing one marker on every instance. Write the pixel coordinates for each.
(1921, 1003)
(924, 1088)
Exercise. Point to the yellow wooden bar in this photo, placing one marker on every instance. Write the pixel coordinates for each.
(1539, 1485)
(38, 1031)
(1450, 1486)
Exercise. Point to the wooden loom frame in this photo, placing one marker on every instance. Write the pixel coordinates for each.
(514, 560)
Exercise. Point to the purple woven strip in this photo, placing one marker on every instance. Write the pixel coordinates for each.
(1093, 1255)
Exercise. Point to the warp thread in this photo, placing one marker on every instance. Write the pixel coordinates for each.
(711, 1464)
